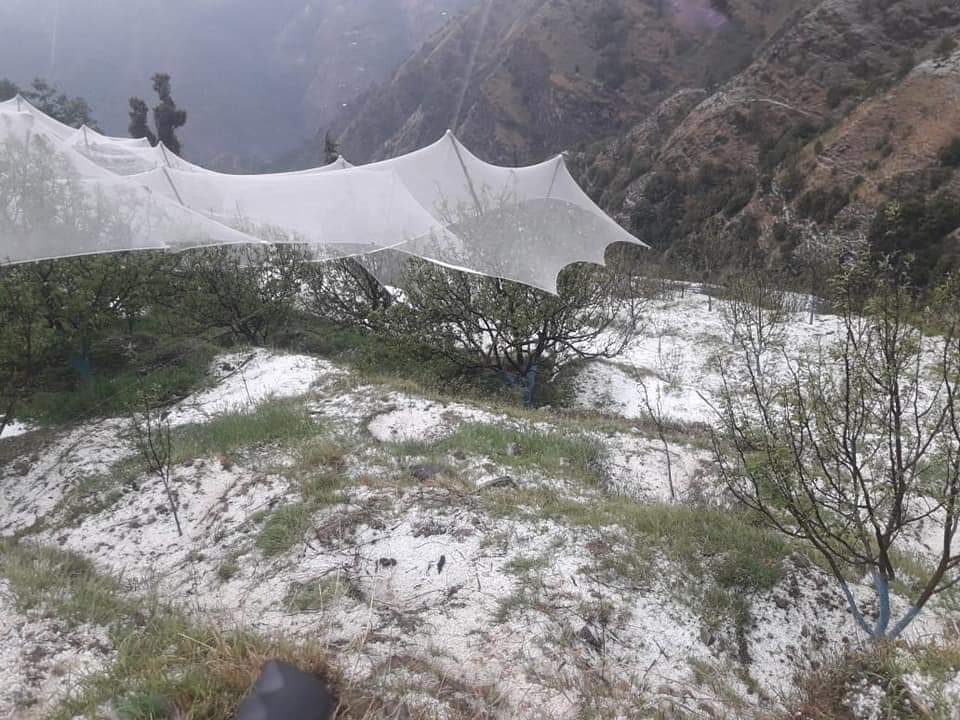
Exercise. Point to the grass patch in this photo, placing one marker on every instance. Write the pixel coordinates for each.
(318, 470)
(165, 664)
(170, 666)
(314, 595)
(940, 661)
(524, 565)
(722, 558)
(284, 422)
(229, 568)
(554, 452)
(737, 552)
(274, 421)
(63, 584)
(283, 529)
(824, 695)
(95, 493)
(285, 526)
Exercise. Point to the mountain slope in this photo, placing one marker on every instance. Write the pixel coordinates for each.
(847, 109)
(765, 126)
(521, 80)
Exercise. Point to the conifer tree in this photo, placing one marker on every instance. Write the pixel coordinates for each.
(167, 117)
(331, 148)
(139, 127)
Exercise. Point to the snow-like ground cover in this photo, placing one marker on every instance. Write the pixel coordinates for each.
(673, 364)
(14, 428)
(42, 659)
(243, 380)
(440, 561)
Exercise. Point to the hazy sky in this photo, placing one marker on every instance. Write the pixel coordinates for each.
(256, 76)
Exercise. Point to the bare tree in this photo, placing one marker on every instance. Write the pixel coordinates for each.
(655, 413)
(713, 255)
(154, 437)
(818, 257)
(851, 447)
(755, 313)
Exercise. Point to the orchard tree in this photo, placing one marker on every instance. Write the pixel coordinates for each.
(251, 291)
(481, 323)
(347, 292)
(853, 447)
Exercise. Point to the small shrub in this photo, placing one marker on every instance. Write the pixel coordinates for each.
(946, 46)
(950, 153)
(836, 94)
(823, 204)
(228, 569)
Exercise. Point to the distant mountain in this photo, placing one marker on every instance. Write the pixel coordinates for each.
(521, 79)
(257, 78)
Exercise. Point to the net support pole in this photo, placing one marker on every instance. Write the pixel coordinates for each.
(553, 179)
(466, 173)
(172, 186)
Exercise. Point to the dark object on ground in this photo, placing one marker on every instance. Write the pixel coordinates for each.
(425, 471)
(284, 692)
(505, 481)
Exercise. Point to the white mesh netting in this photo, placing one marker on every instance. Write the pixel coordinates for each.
(67, 192)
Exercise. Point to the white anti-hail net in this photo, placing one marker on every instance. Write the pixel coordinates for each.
(67, 192)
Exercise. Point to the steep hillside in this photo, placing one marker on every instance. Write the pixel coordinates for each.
(521, 80)
(450, 557)
(850, 107)
(746, 131)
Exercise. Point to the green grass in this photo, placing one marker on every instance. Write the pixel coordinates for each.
(283, 422)
(283, 528)
(524, 565)
(62, 584)
(317, 471)
(554, 452)
(164, 661)
(314, 595)
(275, 421)
(824, 695)
(229, 568)
(722, 559)
(286, 525)
(940, 661)
(739, 553)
